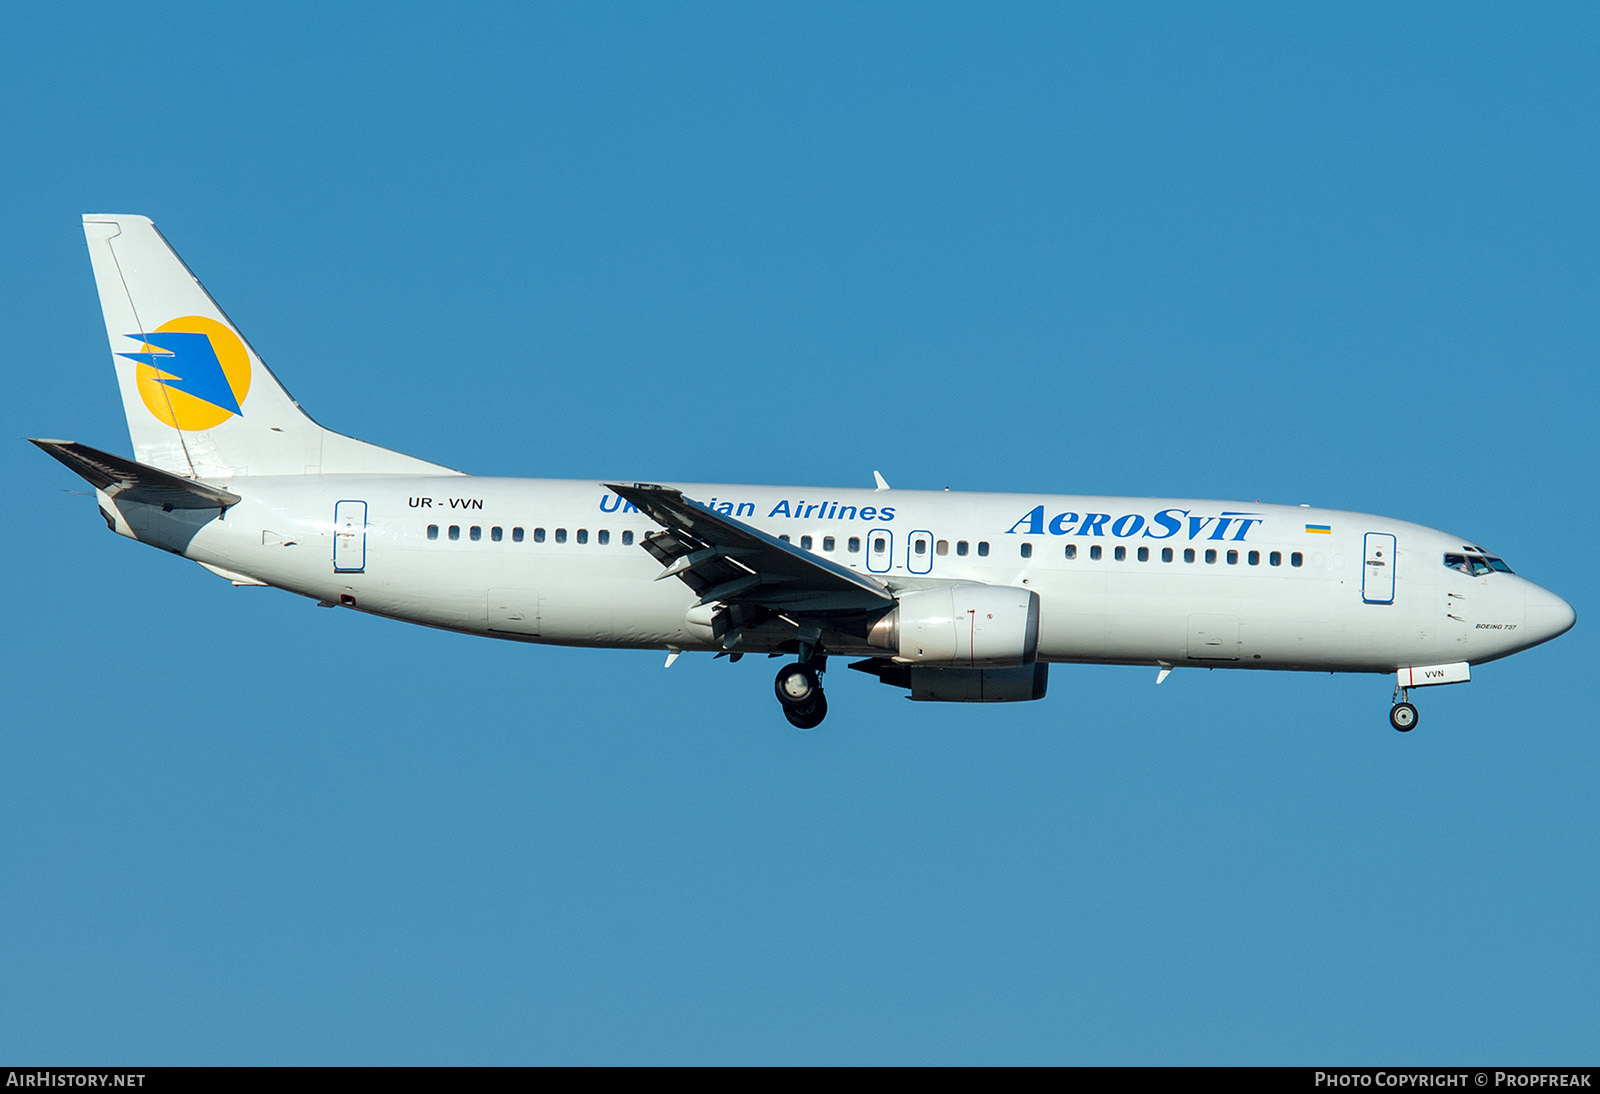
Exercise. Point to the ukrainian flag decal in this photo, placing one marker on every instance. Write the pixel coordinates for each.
(1320, 529)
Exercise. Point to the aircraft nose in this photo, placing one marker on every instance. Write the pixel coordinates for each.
(1548, 616)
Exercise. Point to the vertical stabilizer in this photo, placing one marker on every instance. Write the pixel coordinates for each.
(198, 399)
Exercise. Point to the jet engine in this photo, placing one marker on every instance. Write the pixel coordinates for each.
(966, 625)
(943, 684)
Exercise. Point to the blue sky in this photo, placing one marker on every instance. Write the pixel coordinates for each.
(1344, 256)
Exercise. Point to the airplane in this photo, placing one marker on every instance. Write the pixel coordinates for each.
(952, 596)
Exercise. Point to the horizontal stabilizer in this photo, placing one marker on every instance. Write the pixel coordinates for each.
(129, 480)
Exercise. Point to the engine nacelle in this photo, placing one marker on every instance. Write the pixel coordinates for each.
(970, 626)
(1016, 685)
(945, 684)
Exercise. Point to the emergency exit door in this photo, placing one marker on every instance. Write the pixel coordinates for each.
(919, 552)
(880, 550)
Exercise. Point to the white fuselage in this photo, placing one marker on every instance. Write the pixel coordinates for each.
(955, 597)
(1119, 580)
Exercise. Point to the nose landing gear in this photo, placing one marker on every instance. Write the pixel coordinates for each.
(799, 691)
(1403, 715)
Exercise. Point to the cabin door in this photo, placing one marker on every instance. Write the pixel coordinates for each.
(349, 537)
(1377, 571)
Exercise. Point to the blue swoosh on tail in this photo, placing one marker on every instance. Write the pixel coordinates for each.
(191, 364)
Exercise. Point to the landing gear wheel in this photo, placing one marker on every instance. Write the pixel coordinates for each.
(811, 718)
(796, 686)
(1403, 716)
(799, 690)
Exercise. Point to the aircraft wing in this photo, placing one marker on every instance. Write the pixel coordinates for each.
(725, 560)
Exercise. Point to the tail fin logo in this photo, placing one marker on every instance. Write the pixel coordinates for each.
(194, 372)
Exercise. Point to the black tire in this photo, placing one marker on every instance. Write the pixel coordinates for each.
(810, 718)
(797, 687)
(1403, 716)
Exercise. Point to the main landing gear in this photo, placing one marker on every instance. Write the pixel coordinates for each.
(1403, 716)
(799, 690)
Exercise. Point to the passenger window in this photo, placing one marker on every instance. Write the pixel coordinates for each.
(784, 537)
(475, 534)
(1275, 558)
(1072, 550)
(561, 535)
(1254, 558)
(1166, 554)
(855, 545)
(602, 537)
(495, 534)
(921, 547)
(627, 539)
(455, 532)
(961, 547)
(538, 535)
(1211, 556)
(1233, 558)
(1120, 554)
(433, 531)
(983, 548)
(827, 544)
(942, 547)
(1027, 550)
(516, 535)
(583, 535)
(880, 544)
(805, 543)
(1094, 552)
(1188, 554)
(1144, 554)
(1297, 559)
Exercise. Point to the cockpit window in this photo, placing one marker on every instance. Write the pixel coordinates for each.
(1476, 565)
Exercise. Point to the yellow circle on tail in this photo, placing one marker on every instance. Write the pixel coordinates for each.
(179, 409)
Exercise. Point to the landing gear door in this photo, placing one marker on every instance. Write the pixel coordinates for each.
(349, 537)
(1377, 572)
